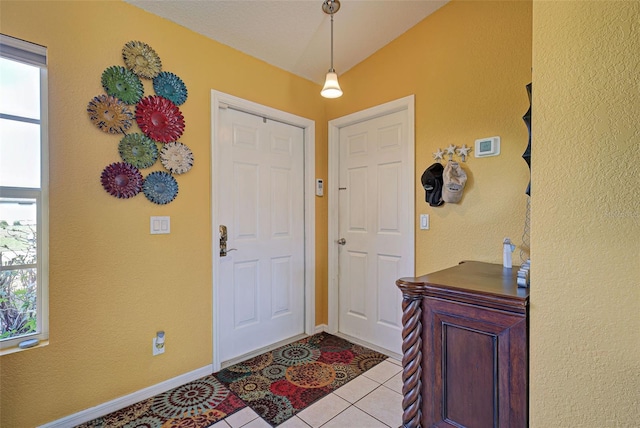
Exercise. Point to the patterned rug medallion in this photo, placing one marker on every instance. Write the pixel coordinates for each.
(197, 404)
(276, 385)
(281, 383)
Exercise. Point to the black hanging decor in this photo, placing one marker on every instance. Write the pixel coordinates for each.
(527, 153)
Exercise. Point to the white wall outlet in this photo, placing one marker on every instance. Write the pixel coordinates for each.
(158, 343)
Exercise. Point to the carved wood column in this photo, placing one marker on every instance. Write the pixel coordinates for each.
(411, 353)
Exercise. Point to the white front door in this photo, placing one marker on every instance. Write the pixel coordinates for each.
(375, 226)
(260, 185)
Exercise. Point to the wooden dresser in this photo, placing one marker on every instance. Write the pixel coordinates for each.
(465, 348)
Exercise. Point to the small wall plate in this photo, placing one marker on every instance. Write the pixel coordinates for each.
(160, 225)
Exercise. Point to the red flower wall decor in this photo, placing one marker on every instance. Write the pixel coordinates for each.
(159, 119)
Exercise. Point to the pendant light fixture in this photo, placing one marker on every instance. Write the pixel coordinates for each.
(331, 87)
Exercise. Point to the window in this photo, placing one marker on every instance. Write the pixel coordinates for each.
(23, 194)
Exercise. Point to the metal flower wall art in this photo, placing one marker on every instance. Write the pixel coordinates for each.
(160, 187)
(121, 180)
(122, 84)
(110, 114)
(141, 59)
(176, 157)
(138, 150)
(171, 87)
(159, 121)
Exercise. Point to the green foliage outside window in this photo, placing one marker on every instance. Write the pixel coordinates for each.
(18, 287)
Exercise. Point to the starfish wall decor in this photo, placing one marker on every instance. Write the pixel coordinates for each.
(450, 151)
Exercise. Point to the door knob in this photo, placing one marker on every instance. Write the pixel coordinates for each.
(223, 241)
(341, 241)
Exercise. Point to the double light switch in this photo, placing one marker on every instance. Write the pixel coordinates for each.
(160, 225)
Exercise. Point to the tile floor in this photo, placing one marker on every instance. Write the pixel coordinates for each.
(372, 400)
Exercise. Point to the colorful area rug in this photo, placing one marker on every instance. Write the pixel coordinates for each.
(276, 385)
(280, 383)
(197, 404)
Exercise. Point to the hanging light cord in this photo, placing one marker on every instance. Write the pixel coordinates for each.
(332, 70)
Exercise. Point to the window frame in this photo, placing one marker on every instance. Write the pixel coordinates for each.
(33, 55)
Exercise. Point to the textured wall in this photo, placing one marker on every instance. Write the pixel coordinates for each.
(585, 327)
(468, 65)
(112, 285)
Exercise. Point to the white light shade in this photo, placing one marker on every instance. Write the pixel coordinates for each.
(331, 87)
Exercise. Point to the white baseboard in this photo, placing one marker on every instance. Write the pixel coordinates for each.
(127, 400)
(322, 328)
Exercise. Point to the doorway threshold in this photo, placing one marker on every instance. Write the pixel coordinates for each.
(262, 350)
(369, 345)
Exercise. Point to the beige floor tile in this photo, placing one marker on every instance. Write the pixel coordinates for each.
(257, 423)
(356, 389)
(395, 383)
(294, 422)
(394, 361)
(220, 424)
(382, 372)
(383, 404)
(241, 417)
(321, 411)
(352, 418)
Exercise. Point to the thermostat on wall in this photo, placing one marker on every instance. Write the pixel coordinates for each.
(487, 147)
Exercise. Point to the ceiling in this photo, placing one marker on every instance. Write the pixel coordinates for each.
(295, 35)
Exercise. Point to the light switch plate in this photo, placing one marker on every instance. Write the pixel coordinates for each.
(160, 225)
(424, 221)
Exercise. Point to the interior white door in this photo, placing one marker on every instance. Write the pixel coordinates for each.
(375, 226)
(261, 202)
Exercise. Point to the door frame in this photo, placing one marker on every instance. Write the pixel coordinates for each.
(223, 100)
(406, 103)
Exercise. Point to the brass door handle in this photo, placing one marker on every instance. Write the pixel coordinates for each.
(223, 242)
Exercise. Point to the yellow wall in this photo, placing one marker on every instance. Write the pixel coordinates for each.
(467, 65)
(112, 285)
(585, 318)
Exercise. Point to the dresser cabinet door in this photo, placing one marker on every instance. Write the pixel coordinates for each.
(475, 366)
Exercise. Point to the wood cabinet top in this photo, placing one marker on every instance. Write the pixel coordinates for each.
(482, 283)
